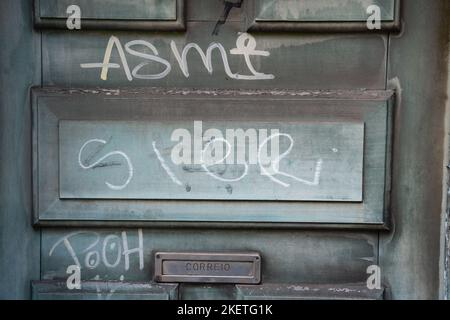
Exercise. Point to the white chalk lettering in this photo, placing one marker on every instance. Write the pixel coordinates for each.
(139, 250)
(114, 244)
(249, 151)
(111, 252)
(274, 165)
(105, 65)
(241, 146)
(245, 46)
(165, 166)
(151, 57)
(110, 154)
(205, 164)
(206, 58)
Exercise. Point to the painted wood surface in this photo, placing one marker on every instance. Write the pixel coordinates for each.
(274, 291)
(371, 108)
(321, 10)
(154, 15)
(417, 197)
(312, 62)
(111, 9)
(104, 290)
(214, 160)
(407, 62)
(20, 69)
(128, 254)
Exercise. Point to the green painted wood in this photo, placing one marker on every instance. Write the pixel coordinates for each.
(306, 256)
(102, 290)
(153, 15)
(409, 255)
(321, 10)
(371, 108)
(308, 62)
(418, 164)
(143, 160)
(19, 69)
(201, 10)
(322, 16)
(111, 9)
(292, 291)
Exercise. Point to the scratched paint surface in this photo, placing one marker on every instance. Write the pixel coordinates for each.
(111, 9)
(298, 61)
(147, 160)
(295, 62)
(224, 109)
(321, 10)
(125, 254)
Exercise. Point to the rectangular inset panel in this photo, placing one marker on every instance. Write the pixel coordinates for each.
(321, 10)
(323, 15)
(208, 267)
(103, 290)
(280, 291)
(112, 14)
(88, 143)
(112, 9)
(295, 161)
(315, 252)
(297, 62)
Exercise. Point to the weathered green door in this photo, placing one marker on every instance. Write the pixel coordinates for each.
(207, 149)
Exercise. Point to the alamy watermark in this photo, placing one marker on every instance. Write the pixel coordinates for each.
(73, 21)
(74, 278)
(374, 279)
(374, 19)
(237, 146)
(234, 146)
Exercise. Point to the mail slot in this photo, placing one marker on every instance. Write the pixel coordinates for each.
(208, 267)
(224, 127)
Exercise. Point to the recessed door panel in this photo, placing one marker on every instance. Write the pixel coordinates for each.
(180, 156)
(211, 160)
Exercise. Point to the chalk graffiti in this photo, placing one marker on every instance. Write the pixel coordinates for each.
(206, 150)
(212, 153)
(110, 291)
(274, 165)
(165, 166)
(99, 161)
(245, 46)
(190, 149)
(212, 174)
(96, 252)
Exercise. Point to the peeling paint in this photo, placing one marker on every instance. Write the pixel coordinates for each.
(361, 94)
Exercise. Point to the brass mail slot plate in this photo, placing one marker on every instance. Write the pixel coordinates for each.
(208, 267)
